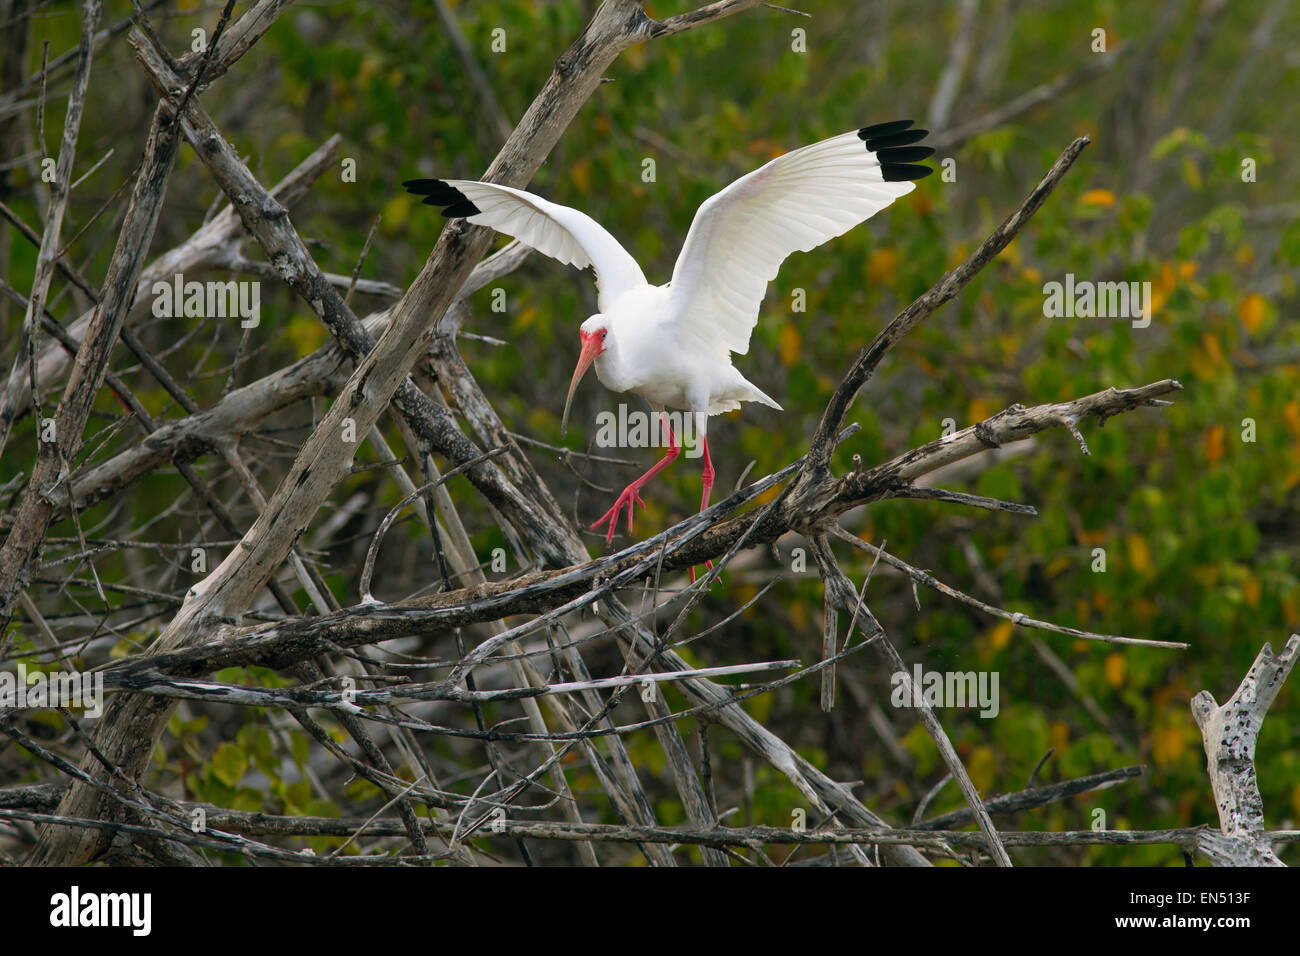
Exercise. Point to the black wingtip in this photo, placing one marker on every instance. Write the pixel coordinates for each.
(439, 193)
(904, 172)
(903, 154)
(884, 129)
(891, 140)
(891, 143)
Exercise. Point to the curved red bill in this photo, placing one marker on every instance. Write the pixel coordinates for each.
(591, 347)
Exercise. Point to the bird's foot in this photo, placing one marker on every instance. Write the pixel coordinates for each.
(710, 567)
(629, 495)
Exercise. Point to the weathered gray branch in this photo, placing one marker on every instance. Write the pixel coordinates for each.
(944, 290)
(1229, 731)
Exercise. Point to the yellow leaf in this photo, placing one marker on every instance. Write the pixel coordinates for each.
(979, 409)
(1250, 590)
(981, 766)
(1115, 665)
(1213, 350)
(307, 335)
(1291, 412)
(580, 173)
(1252, 312)
(881, 265)
(790, 344)
(1000, 636)
(1168, 744)
(1093, 537)
(396, 210)
(1060, 733)
(1291, 606)
(1139, 554)
(1167, 280)
(1216, 442)
(1097, 197)
(798, 611)
(527, 316)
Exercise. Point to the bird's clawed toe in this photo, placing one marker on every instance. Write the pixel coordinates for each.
(628, 497)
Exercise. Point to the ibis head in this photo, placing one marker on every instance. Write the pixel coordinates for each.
(592, 334)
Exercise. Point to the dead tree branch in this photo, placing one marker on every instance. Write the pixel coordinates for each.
(1229, 731)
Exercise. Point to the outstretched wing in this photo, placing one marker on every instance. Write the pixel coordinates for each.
(798, 201)
(558, 231)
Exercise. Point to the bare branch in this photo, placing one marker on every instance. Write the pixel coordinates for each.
(940, 293)
(1229, 732)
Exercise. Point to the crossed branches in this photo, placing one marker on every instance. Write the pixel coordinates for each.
(388, 361)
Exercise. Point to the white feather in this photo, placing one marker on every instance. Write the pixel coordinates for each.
(560, 232)
(741, 235)
(672, 344)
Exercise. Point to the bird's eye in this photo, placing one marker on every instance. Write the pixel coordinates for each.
(603, 333)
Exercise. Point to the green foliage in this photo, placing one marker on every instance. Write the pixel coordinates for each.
(1197, 524)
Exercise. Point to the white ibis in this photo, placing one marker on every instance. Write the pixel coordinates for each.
(671, 344)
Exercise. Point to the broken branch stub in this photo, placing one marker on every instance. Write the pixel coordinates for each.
(1229, 732)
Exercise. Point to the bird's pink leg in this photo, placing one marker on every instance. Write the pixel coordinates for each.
(631, 494)
(707, 475)
(707, 478)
